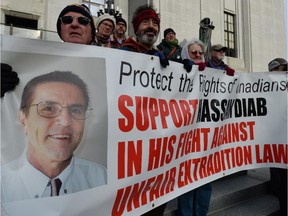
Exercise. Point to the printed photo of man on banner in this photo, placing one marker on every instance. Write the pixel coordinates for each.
(56, 127)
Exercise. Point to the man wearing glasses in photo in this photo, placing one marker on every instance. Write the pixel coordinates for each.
(52, 113)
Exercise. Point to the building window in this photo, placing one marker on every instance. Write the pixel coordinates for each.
(21, 22)
(94, 5)
(230, 34)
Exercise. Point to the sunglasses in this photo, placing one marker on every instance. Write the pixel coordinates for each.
(69, 19)
(194, 52)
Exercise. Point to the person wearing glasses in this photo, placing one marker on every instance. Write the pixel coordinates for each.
(170, 46)
(217, 55)
(53, 110)
(119, 37)
(192, 53)
(105, 26)
(75, 24)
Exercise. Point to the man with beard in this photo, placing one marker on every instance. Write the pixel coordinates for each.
(118, 38)
(217, 55)
(146, 25)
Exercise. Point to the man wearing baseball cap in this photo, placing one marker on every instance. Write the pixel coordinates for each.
(277, 64)
(75, 24)
(146, 25)
(118, 38)
(217, 55)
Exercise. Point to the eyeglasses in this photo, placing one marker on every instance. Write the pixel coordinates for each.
(170, 33)
(69, 19)
(194, 52)
(49, 109)
(107, 25)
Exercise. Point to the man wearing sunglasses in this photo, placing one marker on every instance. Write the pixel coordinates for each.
(53, 110)
(75, 24)
(217, 55)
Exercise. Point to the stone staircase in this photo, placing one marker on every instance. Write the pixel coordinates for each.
(244, 193)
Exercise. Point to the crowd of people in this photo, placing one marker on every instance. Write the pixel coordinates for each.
(75, 24)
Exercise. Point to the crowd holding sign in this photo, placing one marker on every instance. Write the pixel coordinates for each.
(168, 131)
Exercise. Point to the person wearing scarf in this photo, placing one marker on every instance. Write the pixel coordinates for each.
(169, 46)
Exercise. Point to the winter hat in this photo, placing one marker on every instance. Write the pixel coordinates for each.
(78, 8)
(120, 19)
(168, 30)
(276, 63)
(144, 14)
(105, 17)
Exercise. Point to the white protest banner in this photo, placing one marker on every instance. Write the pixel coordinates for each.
(159, 132)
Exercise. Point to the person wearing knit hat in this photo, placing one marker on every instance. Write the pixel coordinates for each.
(105, 26)
(170, 46)
(75, 24)
(121, 20)
(169, 31)
(119, 34)
(146, 25)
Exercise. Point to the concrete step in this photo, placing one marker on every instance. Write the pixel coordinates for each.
(257, 206)
(237, 189)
